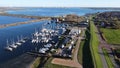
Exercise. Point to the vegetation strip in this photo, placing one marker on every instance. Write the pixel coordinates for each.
(94, 46)
(36, 63)
(107, 57)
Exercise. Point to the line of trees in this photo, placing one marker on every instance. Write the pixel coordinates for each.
(109, 19)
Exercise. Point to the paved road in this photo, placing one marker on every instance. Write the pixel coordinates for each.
(104, 62)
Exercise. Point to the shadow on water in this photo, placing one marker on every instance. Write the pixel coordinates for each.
(87, 57)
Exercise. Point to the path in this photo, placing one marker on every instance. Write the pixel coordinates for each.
(104, 62)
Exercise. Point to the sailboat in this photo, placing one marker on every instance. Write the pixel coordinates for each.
(22, 40)
(13, 45)
(8, 47)
(18, 42)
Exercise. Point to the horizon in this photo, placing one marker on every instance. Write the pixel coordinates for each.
(55, 7)
(59, 3)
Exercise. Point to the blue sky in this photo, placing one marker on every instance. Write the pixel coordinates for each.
(60, 3)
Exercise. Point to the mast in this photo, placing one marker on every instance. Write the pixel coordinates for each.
(7, 42)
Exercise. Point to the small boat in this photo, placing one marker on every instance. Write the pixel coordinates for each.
(43, 50)
(8, 47)
(18, 42)
(22, 40)
(13, 45)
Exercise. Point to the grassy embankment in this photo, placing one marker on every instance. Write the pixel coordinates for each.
(112, 36)
(88, 48)
(36, 63)
(94, 43)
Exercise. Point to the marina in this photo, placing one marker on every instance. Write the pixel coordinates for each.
(40, 32)
(21, 41)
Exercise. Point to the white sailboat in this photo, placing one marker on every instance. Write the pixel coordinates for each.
(18, 42)
(22, 40)
(8, 47)
(13, 45)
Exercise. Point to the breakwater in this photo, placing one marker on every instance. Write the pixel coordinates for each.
(24, 16)
(20, 23)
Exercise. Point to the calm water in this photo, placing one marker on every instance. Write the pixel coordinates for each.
(9, 19)
(27, 29)
(12, 33)
(56, 11)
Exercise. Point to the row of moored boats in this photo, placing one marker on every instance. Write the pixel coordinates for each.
(13, 45)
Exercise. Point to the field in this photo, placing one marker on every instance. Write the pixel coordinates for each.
(112, 36)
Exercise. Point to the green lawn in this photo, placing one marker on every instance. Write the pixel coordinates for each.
(112, 36)
(94, 43)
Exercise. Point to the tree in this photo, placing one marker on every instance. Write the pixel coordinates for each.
(116, 25)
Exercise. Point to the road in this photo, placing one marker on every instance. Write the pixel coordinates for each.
(104, 62)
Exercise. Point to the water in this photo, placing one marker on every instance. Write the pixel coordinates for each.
(12, 32)
(56, 11)
(9, 19)
(26, 30)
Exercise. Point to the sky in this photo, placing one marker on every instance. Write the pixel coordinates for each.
(59, 3)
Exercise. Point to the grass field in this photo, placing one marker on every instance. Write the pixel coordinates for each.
(94, 43)
(112, 36)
